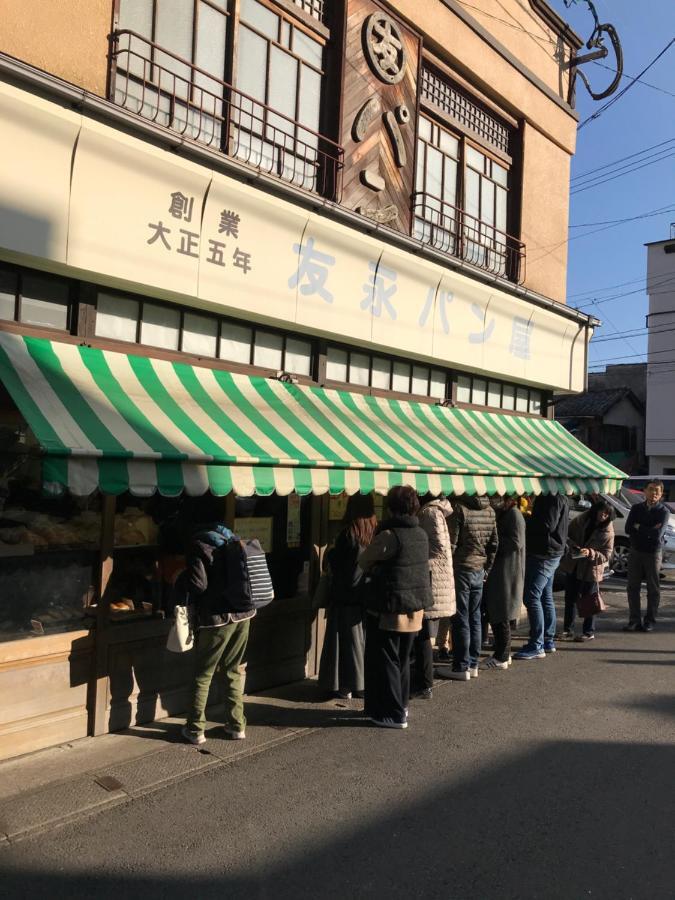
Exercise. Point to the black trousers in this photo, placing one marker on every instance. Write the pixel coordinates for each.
(387, 671)
(502, 635)
(422, 674)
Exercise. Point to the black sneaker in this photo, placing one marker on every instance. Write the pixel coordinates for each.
(632, 626)
(444, 655)
(425, 694)
(648, 626)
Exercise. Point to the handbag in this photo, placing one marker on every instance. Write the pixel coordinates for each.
(591, 603)
(321, 596)
(181, 637)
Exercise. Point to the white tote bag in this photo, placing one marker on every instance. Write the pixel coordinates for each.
(182, 634)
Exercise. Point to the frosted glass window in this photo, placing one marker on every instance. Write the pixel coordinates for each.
(136, 15)
(251, 65)
(475, 159)
(283, 86)
(450, 182)
(44, 302)
(521, 400)
(160, 326)
(478, 392)
(381, 377)
(494, 397)
(500, 174)
(438, 384)
(210, 50)
(235, 343)
(487, 202)
(261, 18)
(463, 389)
(448, 144)
(508, 397)
(200, 335)
(500, 217)
(298, 356)
(268, 350)
(8, 290)
(359, 369)
(535, 402)
(420, 381)
(472, 195)
(424, 127)
(173, 30)
(401, 377)
(307, 48)
(310, 98)
(434, 171)
(116, 317)
(336, 364)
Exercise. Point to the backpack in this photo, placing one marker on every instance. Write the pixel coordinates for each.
(249, 585)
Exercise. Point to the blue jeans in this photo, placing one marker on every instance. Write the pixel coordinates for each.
(538, 599)
(466, 628)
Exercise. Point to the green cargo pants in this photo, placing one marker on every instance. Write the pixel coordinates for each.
(225, 645)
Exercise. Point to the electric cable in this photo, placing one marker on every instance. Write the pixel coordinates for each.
(599, 183)
(583, 175)
(654, 87)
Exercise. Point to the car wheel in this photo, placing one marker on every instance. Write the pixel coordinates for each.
(620, 558)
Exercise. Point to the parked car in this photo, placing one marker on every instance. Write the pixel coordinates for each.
(622, 503)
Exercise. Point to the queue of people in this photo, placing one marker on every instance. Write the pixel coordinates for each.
(430, 566)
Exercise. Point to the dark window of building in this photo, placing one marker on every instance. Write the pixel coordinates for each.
(35, 299)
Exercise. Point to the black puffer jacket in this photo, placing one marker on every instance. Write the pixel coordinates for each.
(548, 525)
(402, 584)
(473, 534)
(205, 579)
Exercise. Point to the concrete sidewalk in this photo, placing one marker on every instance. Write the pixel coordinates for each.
(52, 787)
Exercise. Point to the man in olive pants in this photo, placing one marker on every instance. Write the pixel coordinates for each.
(222, 633)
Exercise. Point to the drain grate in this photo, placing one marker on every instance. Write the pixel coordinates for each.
(109, 783)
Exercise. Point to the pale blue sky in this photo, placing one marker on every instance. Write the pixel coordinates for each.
(643, 118)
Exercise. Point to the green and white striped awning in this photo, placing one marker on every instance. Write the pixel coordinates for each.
(122, 422)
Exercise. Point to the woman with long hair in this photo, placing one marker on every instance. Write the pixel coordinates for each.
(590, 544)
(341, 667)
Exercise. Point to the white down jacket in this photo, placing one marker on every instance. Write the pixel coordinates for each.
(432, 518)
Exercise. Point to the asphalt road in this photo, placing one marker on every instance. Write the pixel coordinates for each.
(555, 779)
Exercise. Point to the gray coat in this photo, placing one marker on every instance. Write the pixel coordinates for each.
(503, 591)
(433, 518)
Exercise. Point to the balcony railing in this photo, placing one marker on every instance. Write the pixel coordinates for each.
(160, 86)
(455, 232)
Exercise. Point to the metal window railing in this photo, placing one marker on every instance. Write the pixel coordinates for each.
(457, 233)
(164, 88)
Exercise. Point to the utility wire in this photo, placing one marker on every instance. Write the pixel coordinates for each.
(636, 333)
(586, 187)
(537, 37)
(662, 210)
(631, 356)
(624, 91)
(654, 87)
(640, 290)
(611, 287)
(611, 165)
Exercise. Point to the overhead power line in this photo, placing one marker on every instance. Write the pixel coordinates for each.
(662, 210)
(654, 87)
(611, 287)
(610, 165)
(624, 91)
(636, 333)
(621, 174)
(669, 280)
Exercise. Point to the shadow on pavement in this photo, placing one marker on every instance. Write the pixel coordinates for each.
(561, 820)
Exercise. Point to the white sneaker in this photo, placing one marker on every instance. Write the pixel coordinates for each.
(568, 635)
(453, 676)
(493, 663)
(473, 672)
(193, 737)
(232, 734)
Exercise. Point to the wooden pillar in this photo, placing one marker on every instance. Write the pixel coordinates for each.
(99, 683)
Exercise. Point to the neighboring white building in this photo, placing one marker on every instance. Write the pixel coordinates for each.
(660, 435)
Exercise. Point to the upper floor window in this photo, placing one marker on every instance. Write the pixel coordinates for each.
(279, 74)
(172, 62)
(461, 203)
(35, 299)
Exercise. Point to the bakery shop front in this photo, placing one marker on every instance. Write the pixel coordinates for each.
(111, 459)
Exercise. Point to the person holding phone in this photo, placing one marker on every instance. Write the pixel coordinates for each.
(590, 544)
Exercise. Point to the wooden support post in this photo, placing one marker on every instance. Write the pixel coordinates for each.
(98, 693)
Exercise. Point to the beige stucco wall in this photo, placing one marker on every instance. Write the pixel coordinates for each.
(64, 37)
(544, 213)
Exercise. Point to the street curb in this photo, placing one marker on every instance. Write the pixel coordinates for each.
(123, 797)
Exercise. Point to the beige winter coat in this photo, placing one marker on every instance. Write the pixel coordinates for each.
(432, 518)
(600, 543)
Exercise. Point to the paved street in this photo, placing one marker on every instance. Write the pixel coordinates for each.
(556, 779)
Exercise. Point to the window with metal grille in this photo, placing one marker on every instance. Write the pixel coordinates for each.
(466, 111)
(313, 7)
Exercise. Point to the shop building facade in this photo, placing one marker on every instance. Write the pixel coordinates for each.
(256, 255)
